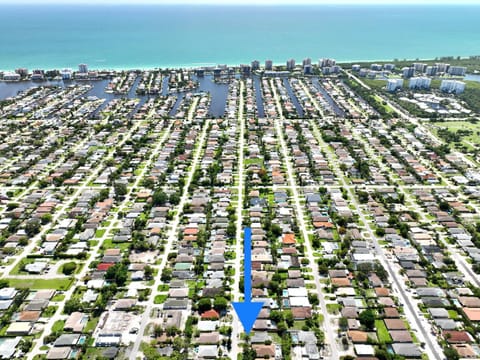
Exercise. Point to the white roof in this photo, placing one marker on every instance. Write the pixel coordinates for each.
(7, 347)
(207, 325)
(207, 351)
(7, 293)
(299, 301)
(363, 257)
(364, 349)
(297, 292)
(96, 284)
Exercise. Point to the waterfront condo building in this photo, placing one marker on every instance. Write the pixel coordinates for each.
(291, 64)
(408, 72)
(420, 83)
(452, 86)
(23, 72)
(431, 70)
(394, 84)
(457, 70)
(83, 68)
(326, 62)
(419, 67)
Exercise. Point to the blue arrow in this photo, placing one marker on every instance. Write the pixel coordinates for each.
(247, 311)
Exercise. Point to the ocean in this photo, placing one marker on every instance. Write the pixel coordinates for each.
(149, 36)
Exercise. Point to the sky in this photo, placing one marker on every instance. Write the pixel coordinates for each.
(242, 2)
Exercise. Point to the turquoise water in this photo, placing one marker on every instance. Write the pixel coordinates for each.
(162, 36)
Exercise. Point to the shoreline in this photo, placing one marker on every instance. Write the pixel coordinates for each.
(193, 66)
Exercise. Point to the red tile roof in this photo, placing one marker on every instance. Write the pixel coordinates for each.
(104, 266)
(210, 314)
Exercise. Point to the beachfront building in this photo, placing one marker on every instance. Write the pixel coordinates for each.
(38, 75)
(83, 68)
(376, 67)
(457, 70)
(431, 70)
(326, 62)
(245, 69)
(420, 67)
(389, 67)
(291, 64)
(67, 74)
(11, 76)
(255, 65)
(269, 65)
(408, 72)
(394, 84)
(452, 86)
(420, 83)
(23, 72)
(307, 61)
(307, 69)
(442, 67)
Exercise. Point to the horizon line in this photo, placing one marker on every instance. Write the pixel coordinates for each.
(246, 3)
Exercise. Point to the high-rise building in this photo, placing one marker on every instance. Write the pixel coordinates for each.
(389, 67)
(38, 75)
(11, 76)
(356, 67)
(452, 86)
(335, 69)
(419, 83)
(255, 65)
(442, 67)
(67, 74)
(269, 65)
(307, 61)
(23, 72)
(363, 72)
(431, 70)
(457, 70)
(408, 72)
(83, 68)
(326, 62)
(245, 69)
(420, 67)
(291, 64)
(308, 69)
(394, 84)
(376, 67)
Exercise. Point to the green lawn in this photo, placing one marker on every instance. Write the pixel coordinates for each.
(17, 269)
(454, 126)
(109, 244)
(163, 287)
(99, 233)
(452, 314)
(58, 297)
(382, 332)
(333, 308)
(160, 299)
(253, 161)
(49, 311)
(299, 324)
(58, 326)
(91, 325)
(374, 83)
(39, 284)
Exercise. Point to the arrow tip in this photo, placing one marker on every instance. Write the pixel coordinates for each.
(247, 313)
